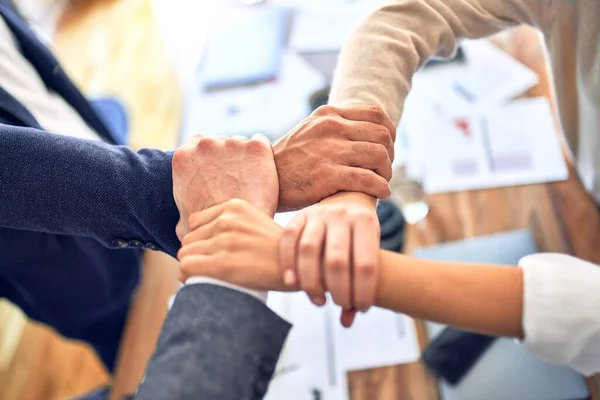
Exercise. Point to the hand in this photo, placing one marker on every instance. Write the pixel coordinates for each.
(233, 242)
(334, 150)
(209, 171)
(333, 247)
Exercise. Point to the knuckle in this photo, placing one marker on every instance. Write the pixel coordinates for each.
(180, 157)
(206, 144)
(290, 232)
(384, 135)
(366, 216)
(329, 123)
(381, 153)
(336, 263)
(376, 112)
(366, 268)
(257, 147)
(234, 143)
(309, 247)
(324, 110)
(334, 212)
(224, 223)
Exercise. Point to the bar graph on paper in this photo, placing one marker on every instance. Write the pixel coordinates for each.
(514, 144)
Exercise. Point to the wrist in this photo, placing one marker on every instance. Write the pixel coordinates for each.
(269, 209)
(354, 197)
(400, 283)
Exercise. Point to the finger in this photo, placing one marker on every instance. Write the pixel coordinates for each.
(310, 250)
(194, 140)
(354, 179)
(227, 222)
(288, 249)
(239, 138)
(337, 261)
(197, 248)
(262, 138)
(347, 317)
(373, 133)
(370, 114)
(370, 156)
(196, 265)
(205, 216)
(365, 257)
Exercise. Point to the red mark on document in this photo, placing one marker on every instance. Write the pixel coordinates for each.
(463, 125)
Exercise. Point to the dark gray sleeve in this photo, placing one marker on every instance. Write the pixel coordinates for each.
(216, 343)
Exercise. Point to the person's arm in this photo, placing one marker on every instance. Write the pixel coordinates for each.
(378, 62)
(551, 301)
(375, 69)
(481, 298)
(216, 343)
(57, 184)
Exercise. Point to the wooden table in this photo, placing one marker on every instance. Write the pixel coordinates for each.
(562, 217)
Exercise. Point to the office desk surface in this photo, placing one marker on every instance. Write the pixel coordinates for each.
(562, 217)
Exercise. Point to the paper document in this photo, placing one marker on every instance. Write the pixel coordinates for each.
(489, 76)
(319, 351)
(506, 145)
(270, 108)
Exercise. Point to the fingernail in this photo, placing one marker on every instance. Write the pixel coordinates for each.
(319, 300)
(289, 278)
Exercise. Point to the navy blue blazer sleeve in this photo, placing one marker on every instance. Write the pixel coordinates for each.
(57, 184)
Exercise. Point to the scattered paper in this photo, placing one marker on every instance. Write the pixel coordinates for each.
(319, 351)
(513, 144)
(271, 108)
(489, 76)
(385, 337)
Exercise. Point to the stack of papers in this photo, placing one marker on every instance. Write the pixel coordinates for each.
(462, 130)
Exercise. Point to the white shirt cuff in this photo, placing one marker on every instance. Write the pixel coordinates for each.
(561, 310)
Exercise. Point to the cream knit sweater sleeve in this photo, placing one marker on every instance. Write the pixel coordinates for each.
(377, 64)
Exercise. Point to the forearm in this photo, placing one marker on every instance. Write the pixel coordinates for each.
(480, 298)
(377, 64)
(56, 184)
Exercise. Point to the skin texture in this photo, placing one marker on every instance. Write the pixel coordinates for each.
(230, 168)
(335, 150)
(341, 234)
(238, 243)
(329, 152)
